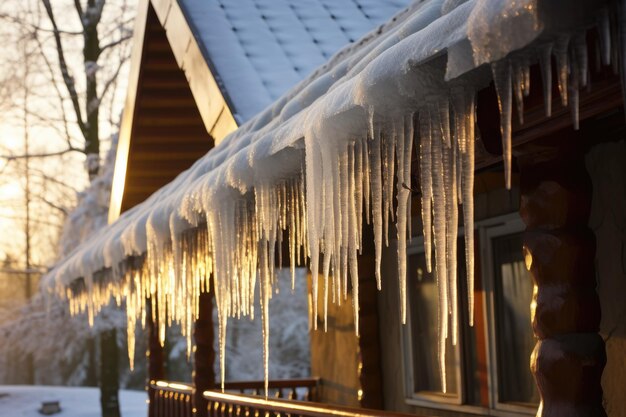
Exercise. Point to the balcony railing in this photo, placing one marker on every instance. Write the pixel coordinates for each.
(239, 405)
(170, 399)
(174, 399)
(304, 389)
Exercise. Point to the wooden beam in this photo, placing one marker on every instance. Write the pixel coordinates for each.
(204, 356)
(559, 250)
(126, 125)
(156, 364)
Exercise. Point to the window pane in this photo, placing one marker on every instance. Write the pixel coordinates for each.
(515, 339)
(422, 289)
(475, 378)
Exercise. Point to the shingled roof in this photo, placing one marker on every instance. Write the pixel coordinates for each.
(259, 49)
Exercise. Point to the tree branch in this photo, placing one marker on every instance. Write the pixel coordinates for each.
(53, 180)
(79, 10)
(63, 210)
(13, 19)
(56, 88)
(113, 78)
(65, 72)
(114, 43)
(40, 155)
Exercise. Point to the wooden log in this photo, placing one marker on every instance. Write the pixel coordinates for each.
(156, 365)
(559, 249)
(204, 355)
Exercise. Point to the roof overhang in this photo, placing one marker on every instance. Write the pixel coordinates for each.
(174, 110)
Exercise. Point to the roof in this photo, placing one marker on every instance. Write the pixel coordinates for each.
(259, 49)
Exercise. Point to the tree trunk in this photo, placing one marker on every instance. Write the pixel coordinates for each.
(91, 379)
(91, 52)
(109, 374)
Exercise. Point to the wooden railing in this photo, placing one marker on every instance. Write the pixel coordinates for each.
(170, 399)
(174, 399)
(304, 389)
(239, 405)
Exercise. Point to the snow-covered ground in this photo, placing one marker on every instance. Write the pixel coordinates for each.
(25, 400)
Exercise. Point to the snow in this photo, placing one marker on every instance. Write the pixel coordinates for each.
(301, 155)
(261, 48)
(25, 400)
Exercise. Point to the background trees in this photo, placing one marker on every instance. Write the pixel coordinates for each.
(61, 92)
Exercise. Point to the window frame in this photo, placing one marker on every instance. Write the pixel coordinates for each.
(509, 225)
(485, 230)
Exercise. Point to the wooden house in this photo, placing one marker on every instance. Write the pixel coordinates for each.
(548, 253)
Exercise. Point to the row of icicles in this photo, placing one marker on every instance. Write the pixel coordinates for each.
(321, 211)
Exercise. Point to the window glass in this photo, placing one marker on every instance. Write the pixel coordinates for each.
(422, 290)
(474, 375)
(515, 340)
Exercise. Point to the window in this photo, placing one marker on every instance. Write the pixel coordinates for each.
(489, 367)
(422, 290)
(510, 292)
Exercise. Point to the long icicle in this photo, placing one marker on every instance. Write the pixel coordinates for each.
(426, 183)
(401, 216)
(377, 205)
(468, 199)
(502, 79)
(439, 222)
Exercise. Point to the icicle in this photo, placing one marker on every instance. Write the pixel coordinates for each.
(377, 205)
(573, 90)
(545, 61)
(353, 200)
(402, 195)
(439, 223)
(452, 223)
(442, 319)
(426, 183)
(518, 89)
(387, 179)
(366, 178)
(293, 202)
(408, 155)
(502, 79)
(526, 74)
(468, 202)
(622, 46)
(345, 196)
(265, 288)
(314, 209)
(562, 66)
(327, 262)
(357, 185)
(581, 63)
(604, 30)
(443, 107)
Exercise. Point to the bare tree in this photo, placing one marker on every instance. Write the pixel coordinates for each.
(81, 56)
(63, 85)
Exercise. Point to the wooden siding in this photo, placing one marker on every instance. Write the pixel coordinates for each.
(168, 134)
(174, 111)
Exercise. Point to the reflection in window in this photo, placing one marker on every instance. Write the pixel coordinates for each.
(515, 341)
(422, 288)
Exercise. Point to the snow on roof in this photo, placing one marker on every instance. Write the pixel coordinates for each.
(336, 149)
(260, 48)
